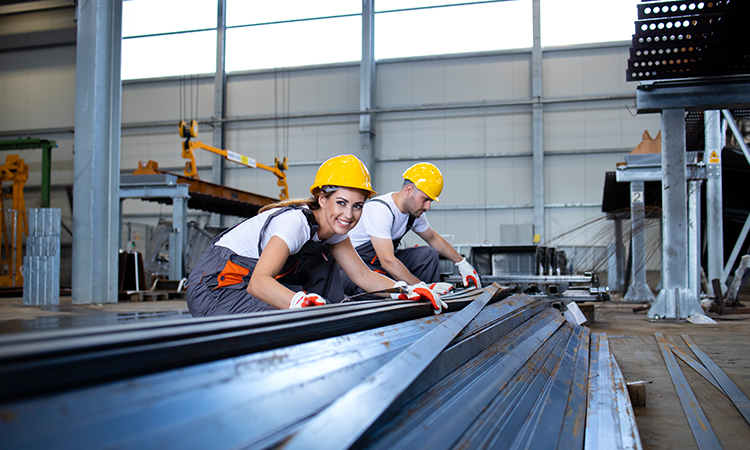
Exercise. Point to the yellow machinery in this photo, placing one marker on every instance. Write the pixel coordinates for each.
(16, 227)
(188, 146)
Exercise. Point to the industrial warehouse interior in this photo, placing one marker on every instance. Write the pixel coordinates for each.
(567, 191)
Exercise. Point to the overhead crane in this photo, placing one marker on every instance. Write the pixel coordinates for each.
(188, 152)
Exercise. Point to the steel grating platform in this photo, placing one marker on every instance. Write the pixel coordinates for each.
(498, 370)
(689, 38)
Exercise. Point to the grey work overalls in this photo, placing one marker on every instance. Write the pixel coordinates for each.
(218, 283)
(422, 262)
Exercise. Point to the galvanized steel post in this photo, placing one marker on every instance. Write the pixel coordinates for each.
(367, 86)
(220, 82)
(714, 202)
(97, 152)
(676, 300)
(638, 290)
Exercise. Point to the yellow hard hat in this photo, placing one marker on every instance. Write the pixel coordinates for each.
(427, 178)
(346, 171)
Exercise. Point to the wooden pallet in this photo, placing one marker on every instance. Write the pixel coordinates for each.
(150, 296)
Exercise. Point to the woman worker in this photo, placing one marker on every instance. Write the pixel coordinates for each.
(285, 257)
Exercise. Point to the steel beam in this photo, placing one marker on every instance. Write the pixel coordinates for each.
(97, 157)
(178, 235)
(610, 419)
(695, 95)
(676, 300)
(714, 139)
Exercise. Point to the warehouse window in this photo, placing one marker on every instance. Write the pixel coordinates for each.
(168, 37)
(283, 33)
(587, 21)
(428, 27)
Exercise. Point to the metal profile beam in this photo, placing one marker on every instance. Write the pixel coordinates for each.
(702, 431)
(694, 95)
(731, 390)
(344, 421)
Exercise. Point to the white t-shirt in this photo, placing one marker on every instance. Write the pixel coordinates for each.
(378, 222)
(291, 226)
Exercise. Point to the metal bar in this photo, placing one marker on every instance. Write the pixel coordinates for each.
(464, 394)
(695, 365)
(38, 363)
(367, 72)
(255, 399)
(694, 236)
(610, 420)
(739, 399)
(220, 83)
(704, 434)
(344, 421)
(497, 416)
(542, 428)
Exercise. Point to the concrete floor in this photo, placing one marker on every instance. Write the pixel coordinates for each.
(662, 422)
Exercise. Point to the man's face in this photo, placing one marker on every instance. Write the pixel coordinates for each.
(417, 202)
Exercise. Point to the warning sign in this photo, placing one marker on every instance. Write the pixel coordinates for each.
(713, 158)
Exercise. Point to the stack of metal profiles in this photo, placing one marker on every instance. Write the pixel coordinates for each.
(690, 38)
(498, 371)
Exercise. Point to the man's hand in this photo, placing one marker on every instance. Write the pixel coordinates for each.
(441, 288)
(302, 300)
(468, 274)
(420, 292)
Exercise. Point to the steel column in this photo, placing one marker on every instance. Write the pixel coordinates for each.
(537, 127)
(367, 86)
(616, 263)
(220, 82)
(638, 290)
(694, 236)
(676, 300)
(714, 203)
(97, 156)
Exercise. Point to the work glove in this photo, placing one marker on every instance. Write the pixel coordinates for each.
(420, 291)
(302, 300)
(441, 288)
(468, 274)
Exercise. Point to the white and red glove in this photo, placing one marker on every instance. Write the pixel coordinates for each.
(420, 292)
(468, 274)
(441, 288)
(302, 300)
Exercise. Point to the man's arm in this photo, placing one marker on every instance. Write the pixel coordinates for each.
(437, 242)
(391, 264)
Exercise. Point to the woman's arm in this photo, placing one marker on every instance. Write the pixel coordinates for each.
(355, 268)
(263, 284)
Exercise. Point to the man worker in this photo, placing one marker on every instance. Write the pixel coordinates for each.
(385, 221)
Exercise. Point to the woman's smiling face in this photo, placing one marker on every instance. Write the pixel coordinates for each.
(340, 211)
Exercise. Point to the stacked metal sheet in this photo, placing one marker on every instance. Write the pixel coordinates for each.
(497, 371)
(690, 38)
